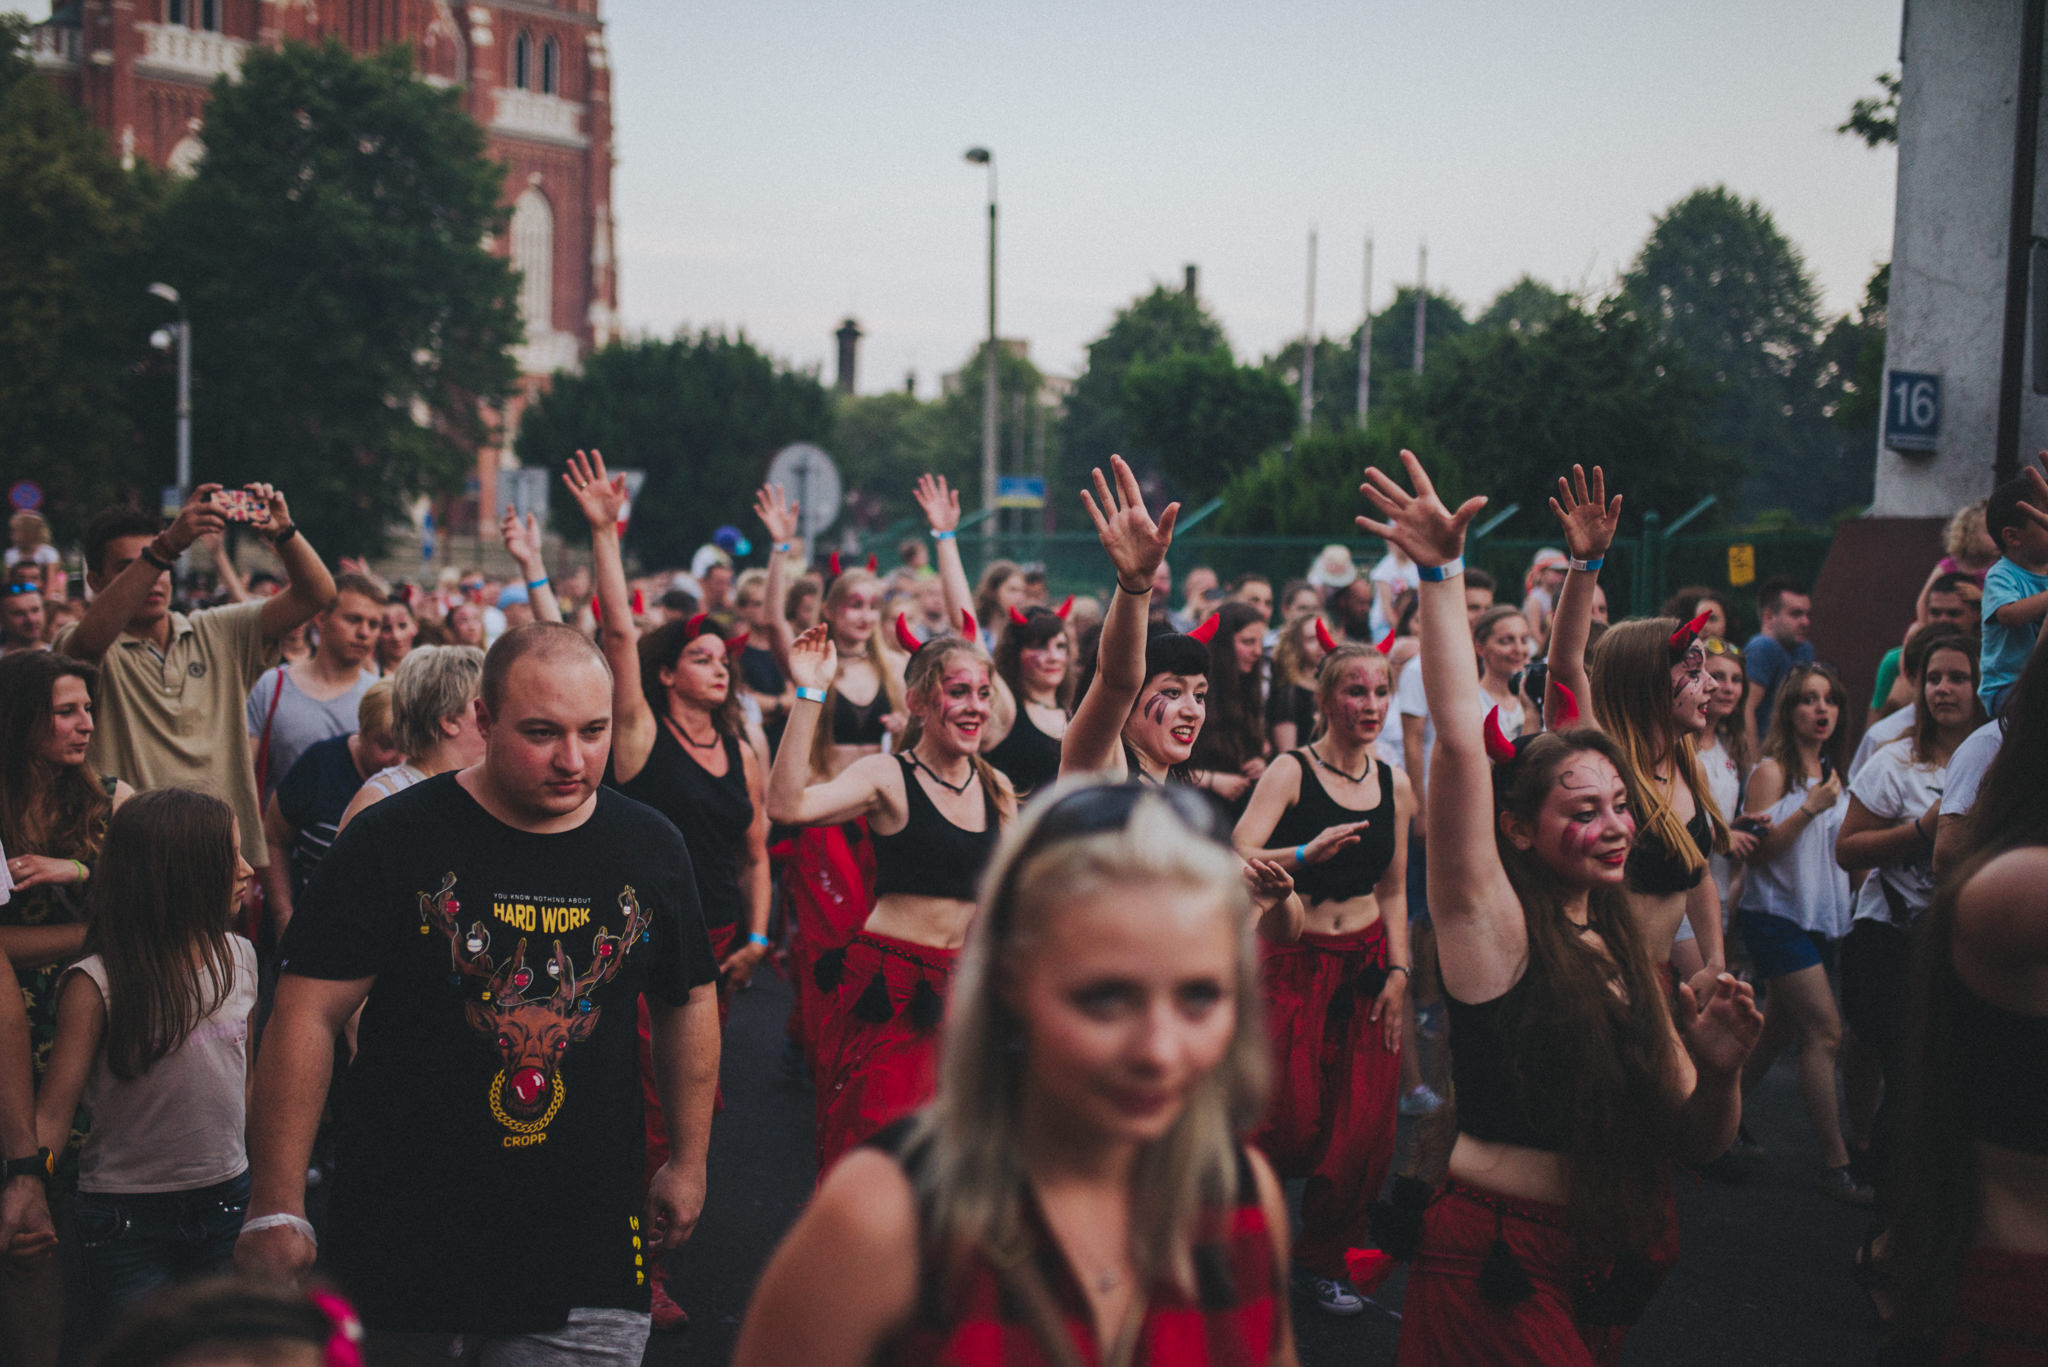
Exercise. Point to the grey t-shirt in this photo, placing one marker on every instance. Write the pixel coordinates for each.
(300, 721)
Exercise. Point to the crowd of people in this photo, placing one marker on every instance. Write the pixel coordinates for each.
(379, 939)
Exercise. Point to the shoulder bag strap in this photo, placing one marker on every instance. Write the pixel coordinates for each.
(263, 745)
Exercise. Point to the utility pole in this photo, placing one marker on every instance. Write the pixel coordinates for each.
(1421, 301)
(1308, 343)
(1365, 341)
(981, 156)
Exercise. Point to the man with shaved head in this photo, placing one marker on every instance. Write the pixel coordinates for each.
(497, 925)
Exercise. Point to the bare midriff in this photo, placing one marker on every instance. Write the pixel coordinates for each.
(1511, 1169)
(1346, 917)
(940, 922)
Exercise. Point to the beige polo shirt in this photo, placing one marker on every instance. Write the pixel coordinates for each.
(175, 720)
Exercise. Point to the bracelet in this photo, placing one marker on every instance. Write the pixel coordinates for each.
(157, 559)
(283, 534)
(536, 585)
(1920, 831)
(784, 547)
(810, 695)
(1301, 854)
(282, 1221)
(1122, 587)
(83, 872)
(1436, 574)
(757, 938)
(1587, 565)
(1400, 968)
(947, 535)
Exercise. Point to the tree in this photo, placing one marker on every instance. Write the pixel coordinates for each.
(1313, 489)
(352, 325)
(1515, 410)
(1335, 401)
(702, 415)
(72, 275)
(1875, 118)
(1528, 305)
(1205, 416)
(883, 442)
(1151, 328)
(959, 419)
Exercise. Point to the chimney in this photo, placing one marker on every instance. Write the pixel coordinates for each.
(910, 383)
(1191, 280)
(849, 343)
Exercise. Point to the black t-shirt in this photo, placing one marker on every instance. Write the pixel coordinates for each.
(488, 1135)
(312, 797)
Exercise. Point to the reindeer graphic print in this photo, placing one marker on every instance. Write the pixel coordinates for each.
(530, 1010)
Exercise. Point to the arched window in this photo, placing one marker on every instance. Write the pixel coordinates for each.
(522, 61)
(533, 256)
(550, 67)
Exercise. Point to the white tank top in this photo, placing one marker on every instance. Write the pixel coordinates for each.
(1804, 885)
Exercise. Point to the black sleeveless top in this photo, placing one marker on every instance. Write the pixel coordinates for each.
(1655, 870)
(1027, 756)
(1490, 1101)
(930, 856)
(853, 725)
(1354, 870)
(712, 813)
(2002, 1056)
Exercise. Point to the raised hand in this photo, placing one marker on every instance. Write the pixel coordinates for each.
(813, 661)
(1268, 883)
(273, 500)
(522, 539)
(1418, 523)
(940, 502)
(1719, 1022)
(199, 517)
(1135, 543)
(777, 511)
(2035, 504)
(1588, 518)
(600, 495)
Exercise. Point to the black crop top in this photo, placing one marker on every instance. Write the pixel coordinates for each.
(1354, 870)
(2002, 1056)
(1490, 1101)
(859, 725)
(1028, 757)
(1655, 870)
(930, 856)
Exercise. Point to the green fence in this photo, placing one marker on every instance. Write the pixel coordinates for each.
(1646, 563)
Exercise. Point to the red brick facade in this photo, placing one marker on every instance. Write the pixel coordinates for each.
(534, 74)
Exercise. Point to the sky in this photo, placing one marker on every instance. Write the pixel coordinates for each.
(786, 163)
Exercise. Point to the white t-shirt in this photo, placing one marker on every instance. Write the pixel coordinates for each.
(1883, 731)
(1893, 789)
(45, 554)
(1968, 765)
(1724, 783)
(1399, 574)
(1804, 884)
(1412, 705)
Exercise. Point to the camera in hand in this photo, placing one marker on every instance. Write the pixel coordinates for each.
(1530, 680)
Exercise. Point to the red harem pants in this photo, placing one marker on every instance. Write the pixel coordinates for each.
(2001, 1311)
(878, 1072)
(1331, 1119)
(831, 890)
(1447, 1322)
(722, 938)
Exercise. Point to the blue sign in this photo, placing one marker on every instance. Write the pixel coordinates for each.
(427, 536)
(26, 495)
(1912, 410)
(1020, 491)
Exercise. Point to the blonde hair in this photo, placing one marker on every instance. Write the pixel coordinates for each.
(431, 684)
(373, 713)
(973, 1181)
(1956, 539)
(921, 679)
(886, 670)
(1631, 678)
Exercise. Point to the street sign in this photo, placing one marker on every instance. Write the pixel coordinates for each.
(171, 500)
(1020, 491)
(526, 489)
(808, 475)
(427, 536)
(1912, 410)
(25, 495)
(1741, 565)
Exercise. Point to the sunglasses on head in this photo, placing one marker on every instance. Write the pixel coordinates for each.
(1714, 645)
(1106, 807)
(13, 589)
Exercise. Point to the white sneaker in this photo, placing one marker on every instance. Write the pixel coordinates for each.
(1334, 1297)
(1420, 1101)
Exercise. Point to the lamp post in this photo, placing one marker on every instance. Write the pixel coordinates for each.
(182, 331)
(981, 156)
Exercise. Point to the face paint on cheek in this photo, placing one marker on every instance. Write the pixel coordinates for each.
(1155, 709)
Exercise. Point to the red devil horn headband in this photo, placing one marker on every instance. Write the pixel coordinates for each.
(1499, 748)
(1565, 713)
(695, 626)
(1386, 642)
(905, 637)
(1019, 618)
(874, 565)
(1063, 609)
(1682, 639)
(832, 563)
(735, 643)
(1206, 632)
(1323, 636)
(969, 628)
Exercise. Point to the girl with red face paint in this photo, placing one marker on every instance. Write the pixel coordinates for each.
(1337, 818)
(831, 868)
(1576, 1087)
(935, 811)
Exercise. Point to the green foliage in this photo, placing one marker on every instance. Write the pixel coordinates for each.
(883, 442)
(1151, 328)
(1335, 402)
(1516, 409)
(1206, 415)
(1875, 118)
(1528, 305)
(73, 313)
(350, 324)
(702, 415)
(1313, 489)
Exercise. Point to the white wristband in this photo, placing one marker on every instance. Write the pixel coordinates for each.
(281, 1220)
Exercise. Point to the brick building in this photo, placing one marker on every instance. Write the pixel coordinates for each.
(534, 74)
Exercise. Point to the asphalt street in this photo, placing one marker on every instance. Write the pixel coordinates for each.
(1763, 1278)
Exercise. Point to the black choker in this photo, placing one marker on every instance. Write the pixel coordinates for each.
(1359, 777)
(956, 791)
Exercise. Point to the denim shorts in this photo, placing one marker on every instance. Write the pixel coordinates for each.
(135, 1243)
(1779, 946)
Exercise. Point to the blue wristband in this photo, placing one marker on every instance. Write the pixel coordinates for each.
(1587, 565)
(536, 585)
(784, 547)
(757, 938)
(810, 695)
(1436, 574)
(1301, 854)
(947, 535)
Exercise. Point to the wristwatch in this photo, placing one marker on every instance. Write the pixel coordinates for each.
(36, 1165)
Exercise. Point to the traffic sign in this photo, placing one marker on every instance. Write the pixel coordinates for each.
(808, 475)
(1741, 565)
(526, 489)
(1020, 491)
(25, 495)
(1912, 410)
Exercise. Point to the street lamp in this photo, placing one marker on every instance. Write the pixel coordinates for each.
(181, 331)
(981, 156)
